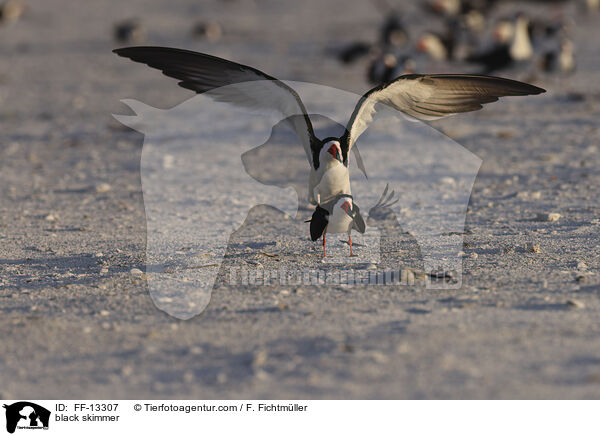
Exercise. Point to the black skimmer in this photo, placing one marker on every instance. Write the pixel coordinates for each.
(342, 215)
(393, 32)
(455, 8)
(566, 56)
(561, 59)
(209, 30)
(419, 96)
(130, 30)
(11, 10)
(444, 7)
(387, 66)
(392, 35)
(592, 5)
(513, 46)
(354, 51)
(338, 215)
(438, 46)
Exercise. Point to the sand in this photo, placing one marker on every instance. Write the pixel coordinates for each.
(78, 320)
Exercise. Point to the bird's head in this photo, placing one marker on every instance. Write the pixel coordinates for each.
(432, 44)
(331, 148)
(503, 31)
(346, 205)
(449, 7)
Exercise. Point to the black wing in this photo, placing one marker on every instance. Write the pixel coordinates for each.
(318, 223)
(229, 82)
(358, 221)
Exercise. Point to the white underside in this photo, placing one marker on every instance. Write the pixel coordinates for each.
(328, 181)
(339, 222)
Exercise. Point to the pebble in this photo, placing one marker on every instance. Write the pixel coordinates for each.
(549, 217)
(221, 378)
(168, 161)
(507, 249)
(103, 187)
(575, 304)
(260, 358)
(379, 357)
(533, 247)
(447, 181)
(196, 350)
(582, 266)
(136, 272)
(536, 195)
(104, 313)
(347, 348)
(50, 218)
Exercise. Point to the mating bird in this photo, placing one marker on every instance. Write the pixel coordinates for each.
(339, 215)
(342, 215)
(421, 96)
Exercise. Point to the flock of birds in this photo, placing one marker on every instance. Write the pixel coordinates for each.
(471, 37)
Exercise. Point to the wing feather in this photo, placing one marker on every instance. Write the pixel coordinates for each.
(229, 82)
(432, 96)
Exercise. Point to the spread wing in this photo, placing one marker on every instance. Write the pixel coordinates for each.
(432, 96)
(217, 77)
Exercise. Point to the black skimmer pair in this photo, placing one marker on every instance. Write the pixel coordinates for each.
(342, 215)
(387, 66)
(339, 215)
(419, 96)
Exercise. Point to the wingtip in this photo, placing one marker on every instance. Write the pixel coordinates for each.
(534, 90)
(122, 51)
(119, 51)
(531, 89)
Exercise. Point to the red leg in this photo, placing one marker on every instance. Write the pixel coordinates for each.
(350, 242)
(324, 252)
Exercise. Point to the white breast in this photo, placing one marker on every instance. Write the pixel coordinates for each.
(521, 47)
(335, 180)
(339, 220)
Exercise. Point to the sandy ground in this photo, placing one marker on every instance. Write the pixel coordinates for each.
(76, 323)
